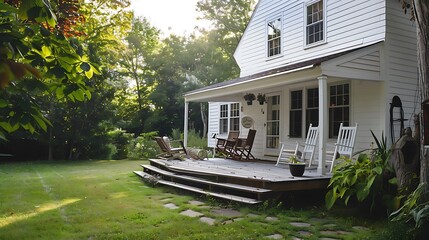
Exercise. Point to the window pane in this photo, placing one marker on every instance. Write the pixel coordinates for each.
(295, 118)
(295, 123)
(274, 37)
(235, 124)
(223, 126)
(314, 22)
(339, 109)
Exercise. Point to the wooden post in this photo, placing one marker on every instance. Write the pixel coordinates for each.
(185, 127)
(323, 122)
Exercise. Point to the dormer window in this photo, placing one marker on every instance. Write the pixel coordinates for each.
(315, 22)
(274, 37)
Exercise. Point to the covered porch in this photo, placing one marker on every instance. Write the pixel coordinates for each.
(341, 72)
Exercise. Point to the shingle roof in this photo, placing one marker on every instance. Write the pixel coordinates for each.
(312, 62)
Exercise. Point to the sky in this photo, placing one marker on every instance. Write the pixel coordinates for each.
(179, 15)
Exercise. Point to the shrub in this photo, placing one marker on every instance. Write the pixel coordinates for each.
(194, 138)
(143, 146)
(362, 178)
(415, 209)
(120, 140)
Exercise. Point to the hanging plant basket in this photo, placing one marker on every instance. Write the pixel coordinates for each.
(249, 97)
(261, 98)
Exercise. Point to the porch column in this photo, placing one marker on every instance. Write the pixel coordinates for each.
(323, 122)
(185, 127)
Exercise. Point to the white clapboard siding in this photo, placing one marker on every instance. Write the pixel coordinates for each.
(401, 61)
(349, 25)
(213, 122)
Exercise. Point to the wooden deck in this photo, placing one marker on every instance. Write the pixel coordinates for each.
(249, 181)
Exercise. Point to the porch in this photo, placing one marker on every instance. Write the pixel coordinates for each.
(247, 182)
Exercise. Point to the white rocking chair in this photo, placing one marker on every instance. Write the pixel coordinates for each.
(344, 145)
(308, 148)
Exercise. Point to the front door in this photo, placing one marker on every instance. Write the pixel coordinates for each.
(272, 141)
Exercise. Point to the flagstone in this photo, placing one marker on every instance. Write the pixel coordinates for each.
(275, 236)
(209, 221)
(171, 206)
(300, 224)
(191, 213)
(304, 233)
(226, 212)
(271, 218)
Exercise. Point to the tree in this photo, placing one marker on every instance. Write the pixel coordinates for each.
(229, 17)
(420, 14)
(80, 129)
(213, 51)
(37, 59)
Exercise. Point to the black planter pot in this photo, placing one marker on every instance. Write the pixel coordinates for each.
(249, 102)
(297, 169)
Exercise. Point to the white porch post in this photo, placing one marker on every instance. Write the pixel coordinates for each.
(185, 127)
(323, 122)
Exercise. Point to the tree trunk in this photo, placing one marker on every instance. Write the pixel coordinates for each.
(203, 118)
(421, 8)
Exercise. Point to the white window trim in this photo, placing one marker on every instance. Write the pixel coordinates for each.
(281, 38)
(350, 102)
(228, 122)
(307, 46)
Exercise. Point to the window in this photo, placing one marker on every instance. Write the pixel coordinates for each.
(295, 117)
(229, 117)
(223, 125)
(273, 122)
(234, 120)
(314, 22)
(312, 111)
(274, 37)
(339, 108)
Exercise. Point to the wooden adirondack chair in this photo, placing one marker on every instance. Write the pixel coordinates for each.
(224, 145)
(308, 148)
(344, 145)
(167, 151)
(243, 147)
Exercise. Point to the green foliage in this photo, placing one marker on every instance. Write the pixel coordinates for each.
(415, 208)
(143, 147)
(120, 141)
(362, 178)
(353, 178)
(32, 46)
(195, 140)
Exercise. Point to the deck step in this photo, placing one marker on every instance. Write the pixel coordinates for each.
(145, 175)
(204, 181)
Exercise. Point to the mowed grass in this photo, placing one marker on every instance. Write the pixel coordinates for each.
(105, 200)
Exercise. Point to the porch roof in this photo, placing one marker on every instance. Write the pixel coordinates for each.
(300, 66)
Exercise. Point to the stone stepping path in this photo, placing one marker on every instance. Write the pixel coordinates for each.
(305, 228)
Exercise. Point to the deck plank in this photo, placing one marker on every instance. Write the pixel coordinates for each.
(201, 191)
(247, 170)
(209, 183)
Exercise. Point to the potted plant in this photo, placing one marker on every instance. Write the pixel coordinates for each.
(261, 98)
(249, 97)
(296, 167)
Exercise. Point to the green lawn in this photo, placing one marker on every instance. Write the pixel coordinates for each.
(105, 200)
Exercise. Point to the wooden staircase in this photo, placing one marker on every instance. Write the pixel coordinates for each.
(204, 183)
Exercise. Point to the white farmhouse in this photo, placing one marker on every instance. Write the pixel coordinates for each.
(323, 62)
